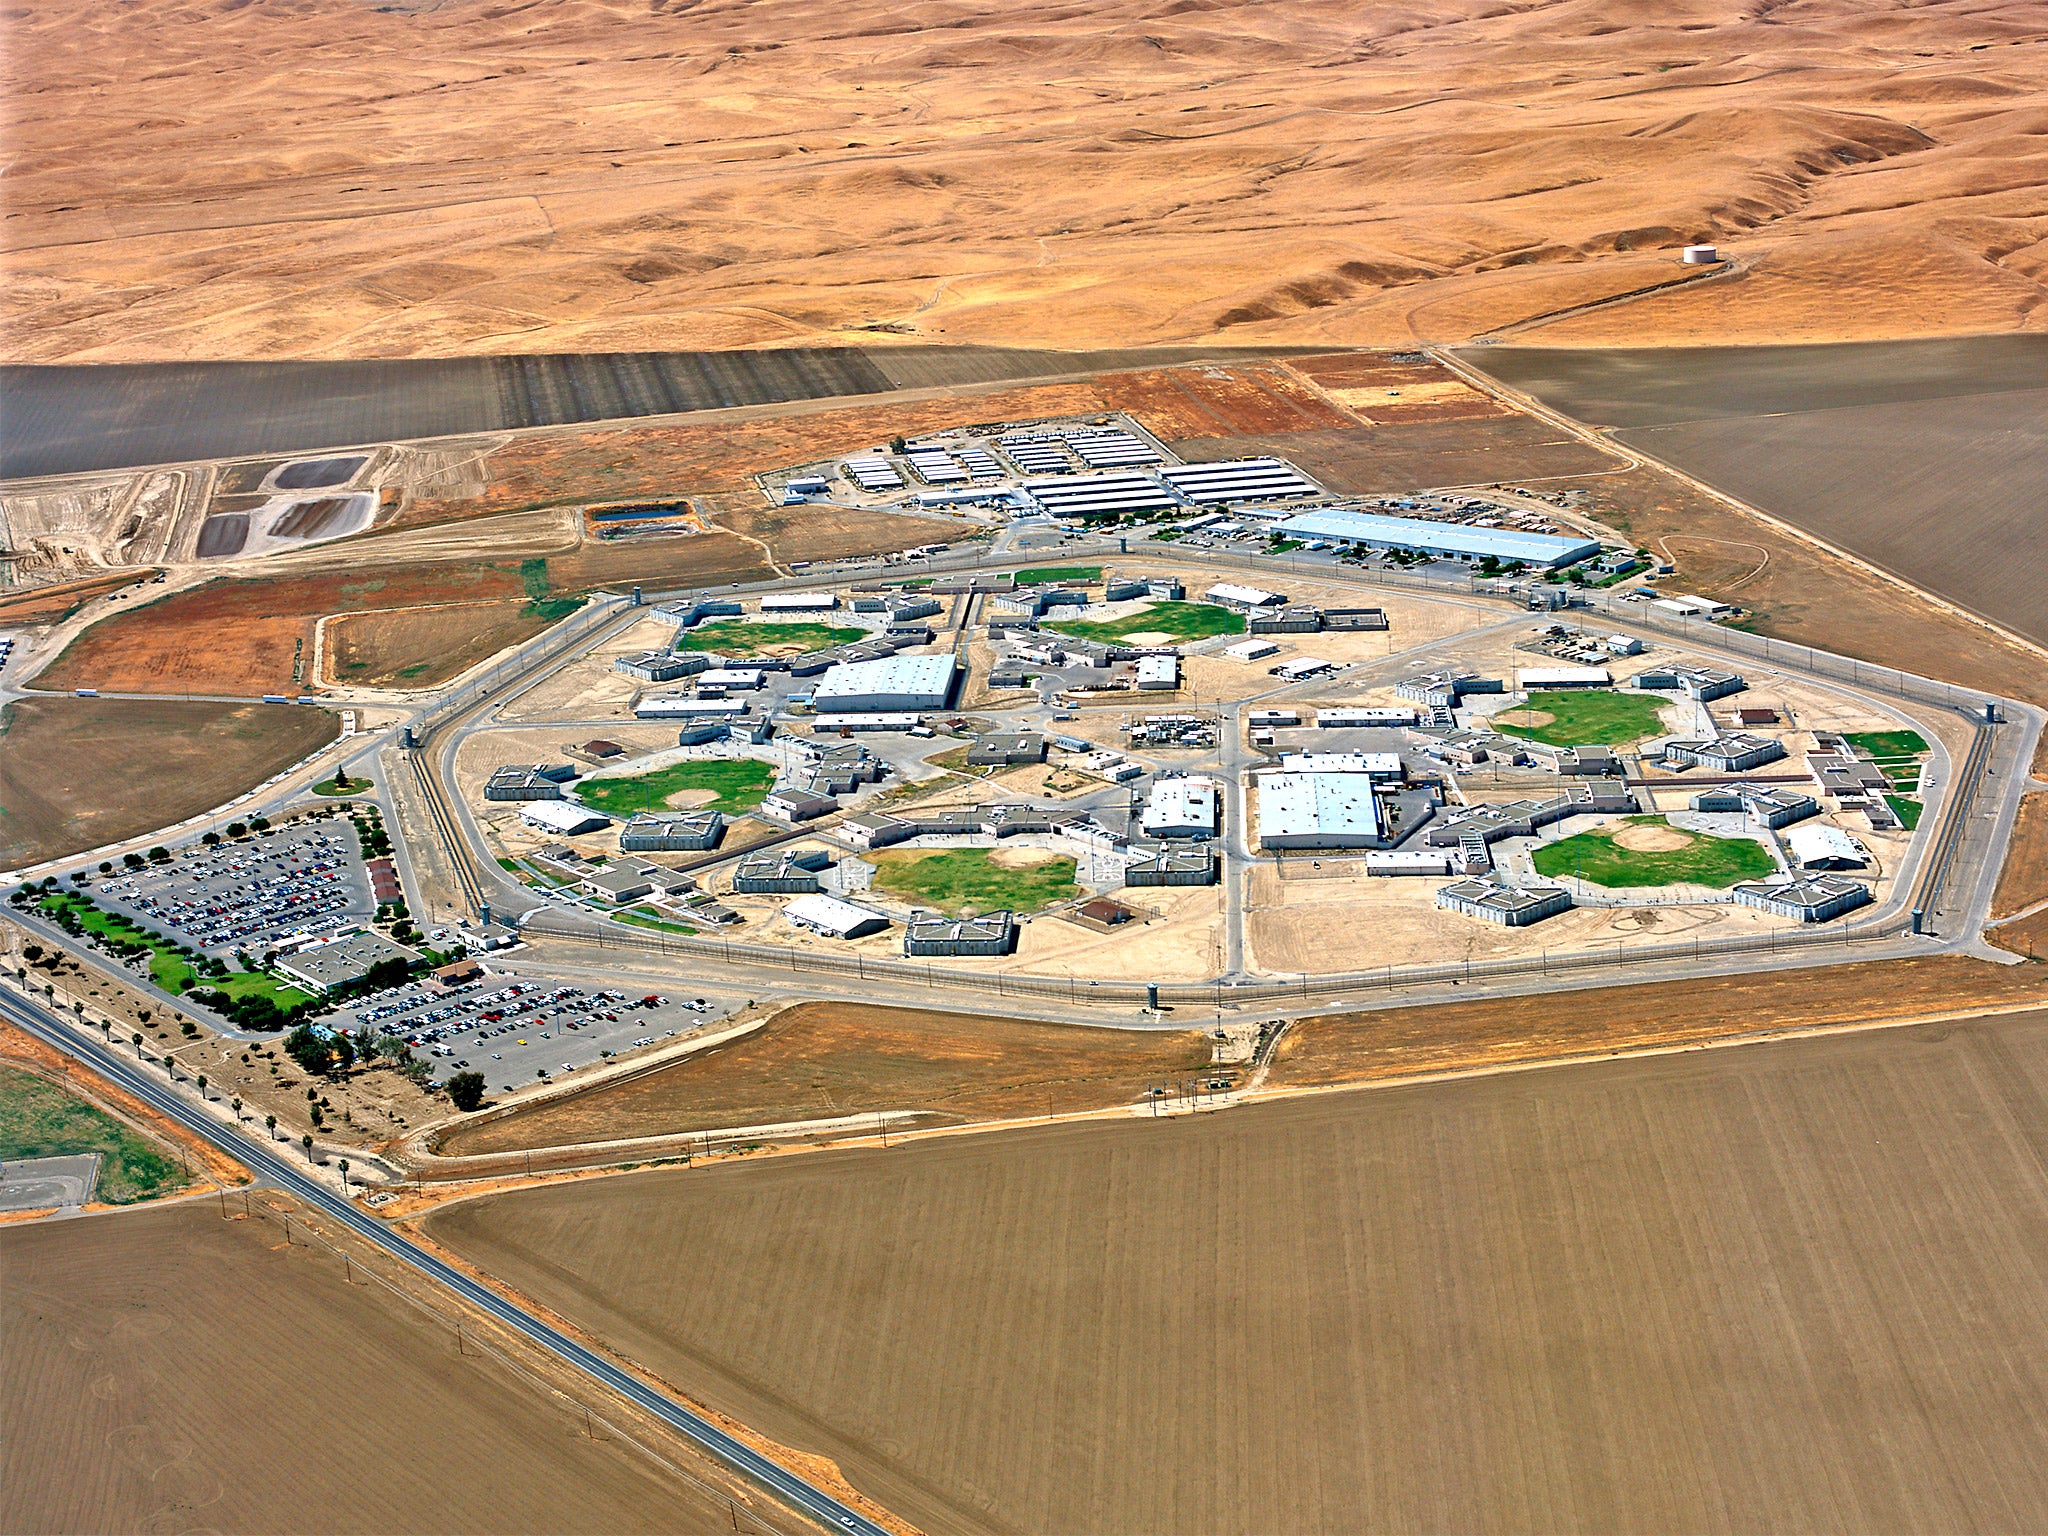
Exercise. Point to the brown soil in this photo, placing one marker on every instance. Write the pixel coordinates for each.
(419, 647)
(1528, 718)
(1456, 1037)
(816, 1061)
(1220, 401)
(1651, 837)
(52, 604)
(80, 773)
(1626, 1296)
(2023, 881)
(180, 1389)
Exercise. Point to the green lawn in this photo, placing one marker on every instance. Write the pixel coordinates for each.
(1587, 717)
(357, 785)
(167, 968)
(1908, 811)
(955, 879)
(1882, 744)
(640, 919)
(39, 1119)
(1059, 573)
(746, 637)
(1718, 862)
(740, 784)
(1183, 621)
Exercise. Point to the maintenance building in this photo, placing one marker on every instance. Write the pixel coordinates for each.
(832, 918)
(1821, 846)
(1184, 807)
(1318, 810)
(893, 685)
(564, 819)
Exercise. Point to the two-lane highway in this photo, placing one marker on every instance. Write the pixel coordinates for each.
(279, 1170)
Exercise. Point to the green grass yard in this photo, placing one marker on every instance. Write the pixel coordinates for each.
(1879, 745)
(1589, 717)
(1183, 621)
(737, 785)
(167, 968)
(1908, 811)
(1083, 573)
(1717, 862)
(955, 879)
(747, 637)
(39, 1119)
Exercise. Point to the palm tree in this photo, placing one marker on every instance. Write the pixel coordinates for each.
(202, 1085)
(344, 1173)
(306, 1141)
(270, 1125)
(238, 1109)
(136, 1041)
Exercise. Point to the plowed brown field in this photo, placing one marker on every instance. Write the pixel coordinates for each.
(169, 1370)
(1219, 401)
(418, 647)
(1686, 1293)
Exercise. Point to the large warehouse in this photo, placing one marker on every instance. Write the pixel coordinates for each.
(1426, 536)
(897, 683)
(1318, 810)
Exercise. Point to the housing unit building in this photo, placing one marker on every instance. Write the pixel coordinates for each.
(786, 872)
(1773, 805)
(1699, 683)
(1493, 900)
(633, 880)
(539, 781)
(1524, 818)
(1735, 753)
(992, 933)
(662, 666)
(1808, 898)
(1302, 620)
(672, 832)
(1173, 866)
(1444, 689)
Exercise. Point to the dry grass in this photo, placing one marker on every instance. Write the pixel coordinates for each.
(1685, 1293)
(818, 1060)
(418, 647)
(80, 773)
(244, 1385)
(2023, 881)
(52, 604)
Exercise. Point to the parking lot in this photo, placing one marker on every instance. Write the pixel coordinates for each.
(302, 881)
(516, 1027)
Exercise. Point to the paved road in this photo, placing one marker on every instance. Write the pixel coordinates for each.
(278, 1170)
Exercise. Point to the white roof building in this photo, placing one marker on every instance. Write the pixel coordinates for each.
(1189, 807)
(1562, 677)
(1300, 667)
(1380, 766)
(833, 918)
(1155, 672)
(799, 602)
(563, 818)
(740, 678)
(681, 707)
(1817, 845)
(1232, 595)
(1250, 650)
(893, 685)
(1318, 810)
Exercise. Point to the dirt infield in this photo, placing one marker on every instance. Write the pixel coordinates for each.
(1409, 456)
(819, 1060)
(418, 647)
(245, 1386)
(78, 773)
(1672, 1294)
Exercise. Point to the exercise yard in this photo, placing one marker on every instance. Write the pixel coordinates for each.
(958, 880)
(729, 785)
(1176, 621)
(1595, 717)
(1648, 850)
(754, 637)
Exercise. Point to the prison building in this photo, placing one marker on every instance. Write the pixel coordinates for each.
(1120, 589)
(979, 463)
(902, 610)
(1772, 805)
(1576, 762)
(1846, 776)
(1096, 653)
(1443, 690)
(1808, 898)
(662, 666)
(935, 466)
(1821, 846)
(1493, 900)
(872, 473)
(1112, 450)
(1158, 673)
(1524, 818)
(870, 602)
(1380, 767)
(1013, 623)
(1011, 674)
(1186, 807)
(680, 707)
(790, 872)
(1428, 536)
(1006, 749)
(1736, 753)
(992, 933)
(1342, 717)
(1093, 496)
(814, 663)
(562, 818)
(831, 918)
(683, 615)
(1272, 717)
(1701, 684)
(1354, 618)
(1037, 456)
(1531, 679)
(672, 832)
(1231, 594)
(1287, 621)
(833, 725)
(1408, 862)
(1173, 866)
(537, 781)
(632, 880)
(1318, 810)
(1465, 749)
(888, 686)
(794, 802)
(1239, 480)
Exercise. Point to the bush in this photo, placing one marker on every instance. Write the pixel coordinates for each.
(466, 1091)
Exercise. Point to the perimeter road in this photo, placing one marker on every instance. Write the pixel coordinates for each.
(786, 1485)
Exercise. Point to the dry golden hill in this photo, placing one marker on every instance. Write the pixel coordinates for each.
(326, 178)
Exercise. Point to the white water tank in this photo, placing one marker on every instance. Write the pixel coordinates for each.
(1700, 256)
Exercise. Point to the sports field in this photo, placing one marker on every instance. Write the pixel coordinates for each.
(750, 637)
(40, 1119)
(213, 1378)
(1582, 717)
(1177, 621)
(1648, 850)
(1681, 1293)
(731, 785)
(1074, 573)
(958, 880)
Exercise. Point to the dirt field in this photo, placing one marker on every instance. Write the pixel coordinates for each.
(1416, 455)
(2023, 881)
(52, 604)
(820, 1060)
(418, 647)
(1220, 401)
(1673, 1294)
(182, 1391)
(79, 773)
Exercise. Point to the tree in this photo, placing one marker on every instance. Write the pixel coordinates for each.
(306, 1141)
(202, 1085)
(133, 860)
(344, 1173)
(270, 1125)
(31, 953)
(106, 866)
(212, 840)
(159, 855)
(307, 1049)
(237, 1104)
(344, 1049)
(136, 1041)
(260, 823)
(466, 1091)
(238, 829)
(341, 778)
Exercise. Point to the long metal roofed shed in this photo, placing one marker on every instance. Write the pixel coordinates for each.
(1431, 537)
(833, 918)
(1232, 595)
(1239, 480)
(1107, 495)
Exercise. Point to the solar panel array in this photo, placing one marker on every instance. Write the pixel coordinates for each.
(1037, 457)
(872, 472)
(935, 466)
(1113, 450)
(1239, 480)
(980, 463)
(1099, 495)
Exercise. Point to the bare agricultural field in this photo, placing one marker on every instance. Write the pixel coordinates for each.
(419, 647)
(819, 1060)
(180, 1389)
(1680, 1293)
(80, 773)
(1416, 455)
